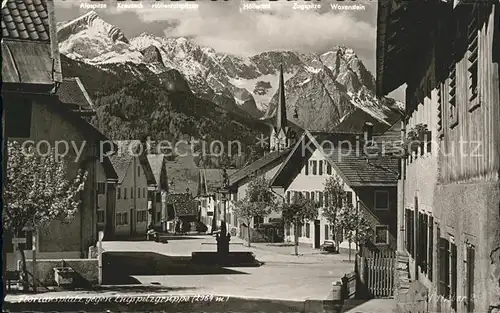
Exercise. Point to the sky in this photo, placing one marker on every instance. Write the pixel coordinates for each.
(224, 27)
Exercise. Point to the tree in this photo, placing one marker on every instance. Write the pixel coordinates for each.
(335, 197)
(355, 226)
(298, 212)
(258, 201)
(37, 192)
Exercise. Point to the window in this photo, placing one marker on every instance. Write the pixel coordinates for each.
(100, 216)
(131, 192)
(472, 51)
(430, 253)
(320, 168)
(308, 230)
(101, 188)
(307, 195)
(469, 276)
(328, 169)
(300, 229)
(125, 192)
(257, 220)
(428, 142)
(422, 241)
(121, 219)
(18, 112)
(118, 193)
(320, 196)
(382, 234)
(138, 192)
(409, 232)
(138, 171)
(448, 270)
(144, 193)
(349, 197)
(314, 165)
(381, 200)
(288, 230)
(307, 168)
(327, 234)
(453, 273)
(313, 193)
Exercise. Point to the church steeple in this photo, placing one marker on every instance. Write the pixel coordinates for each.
(280, 130)
(281, 120)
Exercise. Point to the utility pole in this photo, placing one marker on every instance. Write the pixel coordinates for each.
(33, 248)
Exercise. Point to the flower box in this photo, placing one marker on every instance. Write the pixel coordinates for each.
(63, 275)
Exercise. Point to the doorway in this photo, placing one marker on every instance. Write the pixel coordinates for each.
(132, 224)
(317, 234)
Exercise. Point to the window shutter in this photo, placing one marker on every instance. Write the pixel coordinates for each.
(425, 234)
(452, 100)
(429, 141)
(440, 111)
(469, 283)
(7, 242)
(431, 248)
(453, 278)
(472, 49)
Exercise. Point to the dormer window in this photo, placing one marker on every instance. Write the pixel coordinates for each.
(368, 133)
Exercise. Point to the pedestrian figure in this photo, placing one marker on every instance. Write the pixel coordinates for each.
(177, 227)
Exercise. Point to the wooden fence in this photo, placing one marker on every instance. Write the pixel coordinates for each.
(376, 272)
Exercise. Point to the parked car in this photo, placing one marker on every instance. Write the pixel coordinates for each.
(199, 227)
(329, 246)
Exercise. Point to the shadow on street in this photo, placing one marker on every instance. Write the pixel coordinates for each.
(118, 267)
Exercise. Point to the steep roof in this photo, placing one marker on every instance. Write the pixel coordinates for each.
(156, 162)
(25, 20)
(29, 45)
(348, 162)
(109, 170)
(358, 171)
(355, 120)
(123, 157)
(182, 174)
(184, 204)
(270, 159)
(211, 180)
(73, 93)
(281, 120)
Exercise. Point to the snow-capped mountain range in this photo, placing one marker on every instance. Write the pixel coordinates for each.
(321, 90)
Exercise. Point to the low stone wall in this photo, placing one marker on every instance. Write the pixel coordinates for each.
(86, 270)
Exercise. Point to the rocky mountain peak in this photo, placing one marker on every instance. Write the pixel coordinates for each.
(90, 21)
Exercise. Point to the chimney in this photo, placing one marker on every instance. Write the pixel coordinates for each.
(368, 131)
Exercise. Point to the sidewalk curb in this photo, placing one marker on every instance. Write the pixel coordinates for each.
(172, 302)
